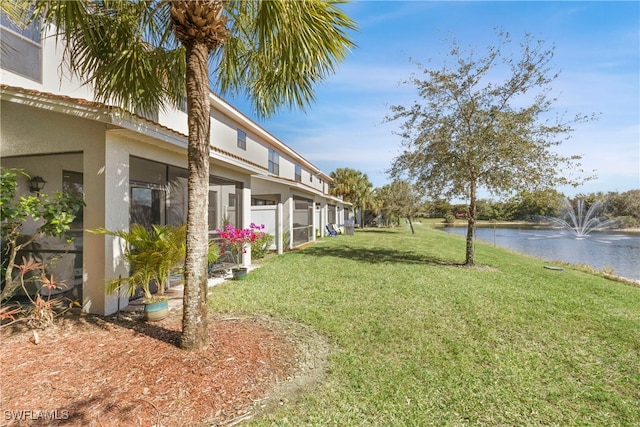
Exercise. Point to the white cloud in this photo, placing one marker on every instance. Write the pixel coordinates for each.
(597, 57)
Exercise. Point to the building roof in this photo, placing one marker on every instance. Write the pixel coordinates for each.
(117, 116)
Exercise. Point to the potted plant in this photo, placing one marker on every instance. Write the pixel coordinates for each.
(213, 258)
(235, 242)
(152, 255)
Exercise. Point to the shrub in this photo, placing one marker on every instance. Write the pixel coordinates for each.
(260, 246)
(235, 240)
(54, 214)
(286, 236)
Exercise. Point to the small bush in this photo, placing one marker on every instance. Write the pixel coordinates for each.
(260, 247)
(286, 236)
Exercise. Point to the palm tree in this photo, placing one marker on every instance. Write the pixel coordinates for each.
(354, 187)
(152, 254)
(140, 55)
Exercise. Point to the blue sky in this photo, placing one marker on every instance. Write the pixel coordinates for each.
(597, 54)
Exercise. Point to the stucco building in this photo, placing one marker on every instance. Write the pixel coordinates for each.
(133, 169)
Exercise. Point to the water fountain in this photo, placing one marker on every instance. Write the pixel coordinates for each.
(580, 221)
(578, 235)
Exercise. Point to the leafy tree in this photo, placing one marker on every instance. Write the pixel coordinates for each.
(530, 204)
(375, 204)
(628, 204)
(625, 207)
(382, 196)
(440, 207)
(500, 211)
(53, 215)
(354, 187)
(400, 199)
(483, 207)
(472, 131)
(139, 55)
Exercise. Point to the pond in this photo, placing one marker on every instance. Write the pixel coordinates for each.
(601, 249)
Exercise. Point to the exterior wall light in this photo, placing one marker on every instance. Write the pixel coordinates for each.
(36, 184)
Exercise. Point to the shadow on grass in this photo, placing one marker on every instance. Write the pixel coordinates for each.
(376, 230)
(379, 255)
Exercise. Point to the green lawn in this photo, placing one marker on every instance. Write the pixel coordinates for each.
(420, 340)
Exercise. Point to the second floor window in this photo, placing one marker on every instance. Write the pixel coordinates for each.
(274, 162)
(298, 173)
(242, 139)
(21, 48)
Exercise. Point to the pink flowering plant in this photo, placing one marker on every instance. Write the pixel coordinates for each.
(236, 240)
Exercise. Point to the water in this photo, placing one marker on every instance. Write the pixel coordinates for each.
(579, 220)
(620, 251)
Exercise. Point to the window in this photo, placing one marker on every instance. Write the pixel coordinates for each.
(274, 162)
(24, 54)
(182, 105)
(242, 139)
(298, 173)
(147, 205)
(147, 180)
(177, 203)
(72, 184)
(262, 202)
(159, 196)
(225, 203)
(302, 220)
(331, 214)
(265, 199)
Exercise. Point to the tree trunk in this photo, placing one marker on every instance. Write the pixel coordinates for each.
(471, 225)
(194, 320)
(411, 225)
(10, 286)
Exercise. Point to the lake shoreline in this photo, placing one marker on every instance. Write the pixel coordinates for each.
(607, 251)
(514, 224)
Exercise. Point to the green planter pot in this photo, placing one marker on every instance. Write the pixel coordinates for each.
(239, 273)
(156, 310)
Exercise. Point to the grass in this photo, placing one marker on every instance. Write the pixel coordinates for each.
(421, 340)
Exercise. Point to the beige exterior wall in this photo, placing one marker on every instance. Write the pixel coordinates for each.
(45, 133)
(55, 78)
(174, 119)
(27, 131)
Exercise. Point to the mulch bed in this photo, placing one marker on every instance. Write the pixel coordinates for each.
(91, 371)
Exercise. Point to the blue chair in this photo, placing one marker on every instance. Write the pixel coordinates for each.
(331, 231)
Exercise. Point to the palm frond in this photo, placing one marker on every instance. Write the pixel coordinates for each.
(124, 50)
(15, 14)
(279, 50)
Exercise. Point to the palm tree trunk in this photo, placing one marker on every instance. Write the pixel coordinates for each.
(194, 320)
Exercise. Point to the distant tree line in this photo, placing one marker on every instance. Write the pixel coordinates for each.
(624, 207)
(394, 203)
